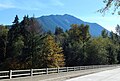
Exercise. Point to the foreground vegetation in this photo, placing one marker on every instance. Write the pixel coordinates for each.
(25, 45)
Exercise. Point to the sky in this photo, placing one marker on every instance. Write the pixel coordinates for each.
(85, 10)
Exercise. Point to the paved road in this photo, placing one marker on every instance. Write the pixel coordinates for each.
(109, 75)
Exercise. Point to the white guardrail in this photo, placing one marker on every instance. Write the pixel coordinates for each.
(32, 72)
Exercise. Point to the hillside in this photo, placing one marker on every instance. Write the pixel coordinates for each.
(64, 21)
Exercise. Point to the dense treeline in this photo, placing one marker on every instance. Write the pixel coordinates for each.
(25, 45)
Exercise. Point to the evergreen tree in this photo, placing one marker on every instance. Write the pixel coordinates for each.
(96, 50)
(58, 31)
(104, 33)
(12, 36)
(60, 36)
(118, 41)
(15, 45)
(112, 53)
(32, 32)
(85, 36)
(118, 29)
(3, 42)
(74, 47)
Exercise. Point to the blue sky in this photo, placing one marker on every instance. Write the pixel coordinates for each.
(83, 9)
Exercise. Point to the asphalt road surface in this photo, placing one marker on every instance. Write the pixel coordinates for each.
(109, 75)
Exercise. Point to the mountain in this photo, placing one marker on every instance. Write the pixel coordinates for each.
(64, 21)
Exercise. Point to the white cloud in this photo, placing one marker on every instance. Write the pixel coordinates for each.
(5, 4)
(29, 4)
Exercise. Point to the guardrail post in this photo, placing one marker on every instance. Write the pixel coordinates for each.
(79, 68)
(46, 70)
(67, 69)
(10, 74)
(58, 70)
(31, 72)
(74, 68)
(84, 67)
